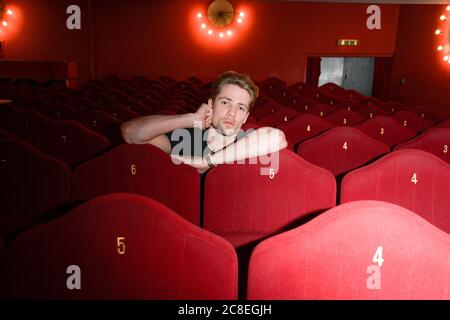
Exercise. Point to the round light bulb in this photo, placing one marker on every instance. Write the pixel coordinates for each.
(4, 23)
(445, 58)
(9, 12)
(210, 32)
(203, 26)
(199, 15)
(442, 17)
(239, 20)
(229, 33)
(221, 34)
(241, 14)
(440, 48)
(448, 8)
(437, 31)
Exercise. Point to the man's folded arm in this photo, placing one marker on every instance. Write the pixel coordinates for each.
(257, 143)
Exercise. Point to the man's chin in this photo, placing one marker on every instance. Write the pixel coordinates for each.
(227, 131)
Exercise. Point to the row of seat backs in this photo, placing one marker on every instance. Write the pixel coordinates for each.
(125, 246)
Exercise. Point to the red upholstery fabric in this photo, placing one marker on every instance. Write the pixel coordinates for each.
(103, 123)
(332, 257)
(320, 109)
(429, 114)
(386, 130)
(127, 247)
(279, 117)
(344, 117)
(444, 124)
(25, 123)
(7, 110)
(393, 106)
(31, 183)
(352, 95)
(411, 120)
(59, 112)
(371, 111)
(303, 127)
(341, 149)
(70, 142)
(436, 141)
(5, 134)
(332, 88)
(243, 206)
(370, 101)
(265, 109)
(349, 105)
(142, 169)
(414, 179)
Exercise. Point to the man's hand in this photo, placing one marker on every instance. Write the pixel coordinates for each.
(203, 116)
(196, 162)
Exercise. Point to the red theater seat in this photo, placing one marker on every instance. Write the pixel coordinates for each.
(349, 105)
(371, 101)
(344, 117)
(5, 134)
(320, 109)
(25, 123)
(414, 179)
(7, 110)
(70, 142)
(444, 124)
(393, 106)
(31, 183)
(297, 191)
(122, 246)
(265, 109)
(141, 169)
(352, 95)
(386, 130)
(365, 250)
(428, 113)
(103, 123)
(303, 127)
(279, 117)
(341, 149)
(332, 88)
(411, 120)
(370, 111)
(436, 141)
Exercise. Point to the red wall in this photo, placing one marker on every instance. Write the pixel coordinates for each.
(164, 38)
(427, 76)
(40, 33)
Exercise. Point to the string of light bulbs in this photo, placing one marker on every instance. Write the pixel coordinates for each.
(444, 47)
(223, 32)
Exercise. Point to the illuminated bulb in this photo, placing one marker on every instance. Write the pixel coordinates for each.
(442, 18)
(241, 14)
(4, 23)
(448, 8)
(440, 48)
(239, 20)
(210, 32)
(437, 31)
(445, 58)
(9, 12)
(229, 33)
(199, 15)
(221, 34)
(203, 26)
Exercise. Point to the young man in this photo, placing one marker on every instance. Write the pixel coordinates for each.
(212, 134)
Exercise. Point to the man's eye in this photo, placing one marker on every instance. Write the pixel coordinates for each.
(242, 109)
(224, 102)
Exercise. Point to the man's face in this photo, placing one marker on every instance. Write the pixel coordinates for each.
(230, 109)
